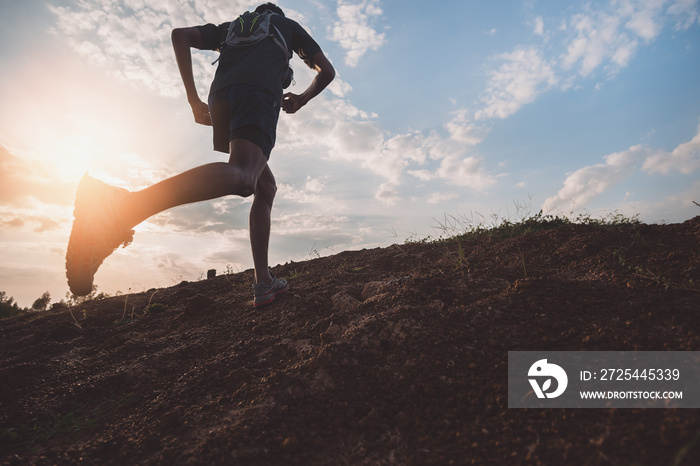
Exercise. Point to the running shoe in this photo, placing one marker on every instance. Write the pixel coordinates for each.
(98, 230)
(265, 293)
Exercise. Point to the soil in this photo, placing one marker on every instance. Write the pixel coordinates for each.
(384, 356)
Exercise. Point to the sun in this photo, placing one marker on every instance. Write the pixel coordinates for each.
(75, 152)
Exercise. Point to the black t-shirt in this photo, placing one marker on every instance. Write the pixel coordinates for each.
(261, 64)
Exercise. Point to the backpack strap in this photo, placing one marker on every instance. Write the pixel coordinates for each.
(281, 42)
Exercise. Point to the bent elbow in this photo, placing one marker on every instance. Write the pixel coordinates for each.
(331, 75)
(327, 75)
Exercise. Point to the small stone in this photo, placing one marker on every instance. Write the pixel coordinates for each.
(290, 444)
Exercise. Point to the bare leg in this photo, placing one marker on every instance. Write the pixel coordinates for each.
(238, 177)
(90, 244)
(260, 224)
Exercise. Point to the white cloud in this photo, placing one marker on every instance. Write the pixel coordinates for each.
(132, 37)
(174, 264)
(464, 131)
(644, 21)
(685, 158)
(423, 175)
(604, 37)
(674, 208)
(610, 36)
(307, 223)
(599, 40)
(387, 194)
(465, 171)
(685, 13)
(339, 87)
(353, 30)
(314, 185)
(523, 75)
(437, 198)
(338, 131)
(312, 192)
(539, 26)
(586, 183)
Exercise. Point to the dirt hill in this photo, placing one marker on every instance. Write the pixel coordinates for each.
(384, 356)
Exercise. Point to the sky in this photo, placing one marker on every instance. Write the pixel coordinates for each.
(442, 114)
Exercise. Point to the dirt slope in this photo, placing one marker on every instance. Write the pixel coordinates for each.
(384, 356)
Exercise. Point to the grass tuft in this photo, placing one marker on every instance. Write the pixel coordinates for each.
(455, 231)
(518, 223)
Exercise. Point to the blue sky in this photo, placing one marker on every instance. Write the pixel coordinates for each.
(476, 110)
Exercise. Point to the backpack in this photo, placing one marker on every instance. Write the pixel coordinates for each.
(252, 28)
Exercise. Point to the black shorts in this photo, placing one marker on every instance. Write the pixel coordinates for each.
(244, 111)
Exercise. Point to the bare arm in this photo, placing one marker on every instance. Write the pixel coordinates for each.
(325, 74)
(183, 40)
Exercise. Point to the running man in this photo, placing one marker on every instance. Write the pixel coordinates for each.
(245, 99)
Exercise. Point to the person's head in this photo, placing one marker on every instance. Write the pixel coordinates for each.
(269, 6)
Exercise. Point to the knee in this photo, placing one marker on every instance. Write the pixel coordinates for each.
(246, 190)
(245, 185)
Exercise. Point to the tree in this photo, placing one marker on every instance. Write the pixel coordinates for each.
(8, 306)
(42, 303)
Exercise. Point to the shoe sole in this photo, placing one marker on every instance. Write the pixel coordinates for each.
(78, 273)
(80, 278)
(82, 262)
(271, 300)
